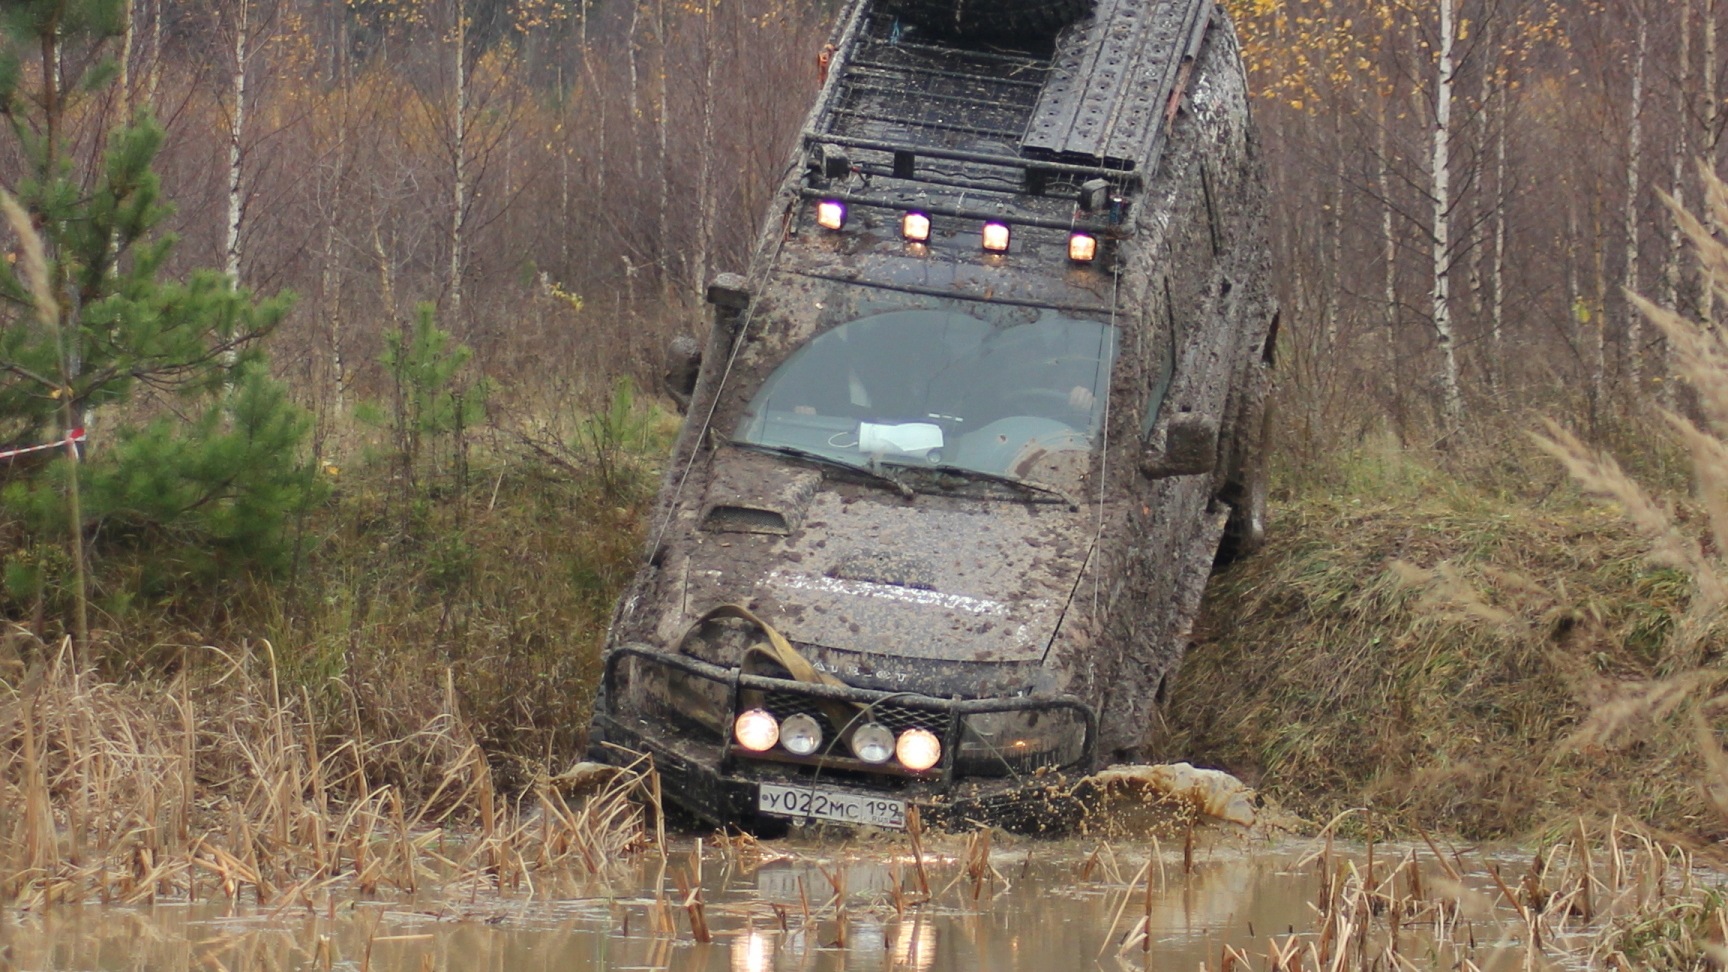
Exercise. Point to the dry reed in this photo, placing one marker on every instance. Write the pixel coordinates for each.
(224, 785)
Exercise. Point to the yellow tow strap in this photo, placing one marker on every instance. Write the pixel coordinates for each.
(780, 651)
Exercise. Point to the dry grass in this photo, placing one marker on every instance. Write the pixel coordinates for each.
(1491, 658)
(227, 785)
(1327, 679)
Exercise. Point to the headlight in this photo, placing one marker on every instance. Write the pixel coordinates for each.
(801, 734)
(996, 237)
(872, 743)
(757, 730)
(1020, 741)
(918, 749)
(1082, 247)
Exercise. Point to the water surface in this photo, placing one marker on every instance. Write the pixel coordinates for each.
(1035, 907)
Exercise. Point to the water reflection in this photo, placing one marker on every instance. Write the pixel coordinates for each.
(1047, 908)
(914, 945)
(753, 951)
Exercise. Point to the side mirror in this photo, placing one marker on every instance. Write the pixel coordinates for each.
(1190, 447)
(683, 363)
(730, 295)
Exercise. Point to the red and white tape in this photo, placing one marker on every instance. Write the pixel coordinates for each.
(72, 438)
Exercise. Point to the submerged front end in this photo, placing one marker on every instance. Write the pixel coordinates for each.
(734, 746)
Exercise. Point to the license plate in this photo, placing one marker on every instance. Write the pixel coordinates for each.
(822, 803)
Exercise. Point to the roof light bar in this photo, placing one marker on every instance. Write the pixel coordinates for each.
(831, 214)
(915, 227)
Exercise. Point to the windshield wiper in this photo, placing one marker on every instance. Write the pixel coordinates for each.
(827, 460)
(979, 475)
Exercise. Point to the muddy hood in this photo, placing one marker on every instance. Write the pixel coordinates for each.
(936, 578)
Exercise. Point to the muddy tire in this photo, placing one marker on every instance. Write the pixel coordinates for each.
(996, 20)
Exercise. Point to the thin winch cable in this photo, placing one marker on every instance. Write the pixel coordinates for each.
(1104, 462)
(738, 343)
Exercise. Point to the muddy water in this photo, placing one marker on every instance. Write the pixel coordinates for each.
(1039, 907)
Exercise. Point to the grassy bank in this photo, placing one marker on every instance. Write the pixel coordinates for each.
(1480, 652)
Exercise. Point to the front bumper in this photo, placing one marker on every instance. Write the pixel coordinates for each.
(706, 774)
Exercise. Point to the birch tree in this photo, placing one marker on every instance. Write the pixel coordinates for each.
(1440, 191)
(241, 28)
(1634, 191)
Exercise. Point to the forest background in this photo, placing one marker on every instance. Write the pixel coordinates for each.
(494, 215)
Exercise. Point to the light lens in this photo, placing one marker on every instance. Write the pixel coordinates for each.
(1082, 248)
(996, 236)
(918, 749)
(1019, 741)
(915, 227)
(873, 743)
(801, 734)
(831, 214)
(757, 730)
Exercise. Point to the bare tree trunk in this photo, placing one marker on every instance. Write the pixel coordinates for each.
(1576, 308)
(1707, 294)
(564, 174)
(1479, 218)
(458, 160)
(386, 276)
(236, 131)
(153, 78)
(1389, 243)
(635, 89)
(1440, 167)
(1634, 159)
(330, 279)
(1599, 361)
(1497, 313)
(128, 33)
(1677, 173)
(599, 133)
(1335, 238)
(707, 209)
(662, 240)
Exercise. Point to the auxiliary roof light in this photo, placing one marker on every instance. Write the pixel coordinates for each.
(757, 730)
(1082, 247)
(996, 236)
(918, 749)
(873, 743)
(915, 227)
(801, 734)
(831, 214)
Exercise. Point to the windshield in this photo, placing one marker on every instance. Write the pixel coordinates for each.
(943, 389)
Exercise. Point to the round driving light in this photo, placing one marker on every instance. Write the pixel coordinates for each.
(873, 743)
(801, 734)
(996, 237)
(1082, 248)
(757, 730)
(915, 227)
(918, 749)
(831, 214)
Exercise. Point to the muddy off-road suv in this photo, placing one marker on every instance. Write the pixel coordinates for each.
(964, 446)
